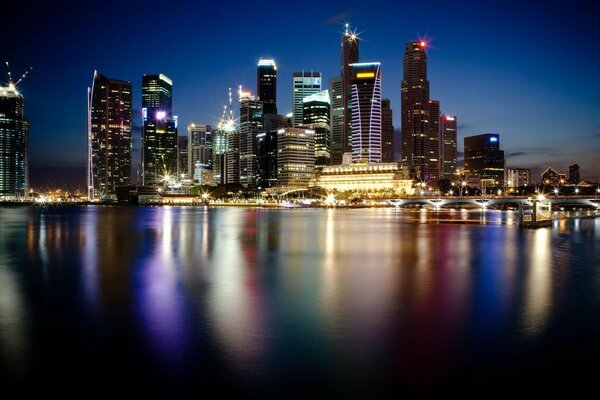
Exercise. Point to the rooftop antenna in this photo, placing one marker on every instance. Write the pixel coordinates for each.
(10, 78)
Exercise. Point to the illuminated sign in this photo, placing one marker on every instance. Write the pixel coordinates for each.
(364, 75)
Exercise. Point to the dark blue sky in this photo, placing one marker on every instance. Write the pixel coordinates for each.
(525, 70)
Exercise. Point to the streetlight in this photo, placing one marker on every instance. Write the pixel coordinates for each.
(556, 191)
(462, 186)
(576, 191)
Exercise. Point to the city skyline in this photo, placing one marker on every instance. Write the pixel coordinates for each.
(552, 121)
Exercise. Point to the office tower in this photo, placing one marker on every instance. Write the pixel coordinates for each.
(182, 157)
(316, 117)
(387, 132)
(337, 119)
(415, 109)
(516, 177)
(303, 84)
(219, 161)
(266, 85)
(349, 56)
(159, 131)
(14, 144)
(448, 132)
(266, 144)
(574, 174)
(366, 112)
(199, 148)
(295, 156)
(251, 123)
(484, 159)
(433, 131)
(110, 139)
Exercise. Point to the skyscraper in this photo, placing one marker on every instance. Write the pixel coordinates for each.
(109, 135)
(484, 159)
(366, 112)
(415, 109)
(183, 157)
(303, 84)
(251, 123)
(266, 85)
(387, 132)
(266, 144)
(316, 117)
(199, 148)
(448, 132)
(14, 144)
(337, 119)
(159, 131)
(295, 156)
(433, 131)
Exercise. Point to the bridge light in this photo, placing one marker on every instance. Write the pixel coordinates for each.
(541, 197)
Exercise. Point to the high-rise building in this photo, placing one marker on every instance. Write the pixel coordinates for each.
(304, 84)
(366, 112)
(337, 119)
(159, 130)
(109, 135)
(433, 131)
(484, 159)
(516, 177)
(219, 161)
(387, 132)
(295, 156)
(183, 157)
(415, 109)
(251, 123)
(14, 144)
(574, 178)
(266, 85)
(199, 148)
(316, 117)
(349, 56)
(448, 130)
(266, 144)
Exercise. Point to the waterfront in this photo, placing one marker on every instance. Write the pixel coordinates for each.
(269, 301)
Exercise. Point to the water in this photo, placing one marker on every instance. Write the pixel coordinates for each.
(168, 300)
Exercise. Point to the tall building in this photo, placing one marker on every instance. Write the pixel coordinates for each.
(251, 123)
(484, 159)
(516, 177)
(387, 132)
(295, 156)
(415, 109)
(266, 144)
(433, 132)
(219, 161)
(199, 148)
(316, 117)
(303, 85)
(337, 119)
(349, 56)
(109, 135)
(574, 177)
(266, 85)
(159, 130)
(183, 157)
(14, 144)
(366, 112)
(448, 130)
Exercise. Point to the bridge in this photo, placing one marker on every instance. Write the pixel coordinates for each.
(494, 201)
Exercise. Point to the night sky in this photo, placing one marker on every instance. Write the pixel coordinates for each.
(529, 72)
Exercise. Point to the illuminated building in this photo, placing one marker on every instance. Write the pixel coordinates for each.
(316, 117)
(448, 130)
(14, 144)
(199, 148)
(251, 123)
(553, 178)
(219, 160)
(110, 140)
(266, 143)
(159, 130)
(387, 132)
(365, 177)
(366, 112)
(295, 156)
(303, 84)
(266, 86)
(574, 177)
(349, 56)
(415, 109)
(433, 132)
(337, 119)
(516, 177)
(484, 159)
(183, 157)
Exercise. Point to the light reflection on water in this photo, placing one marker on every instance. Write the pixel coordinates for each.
(267, 295)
